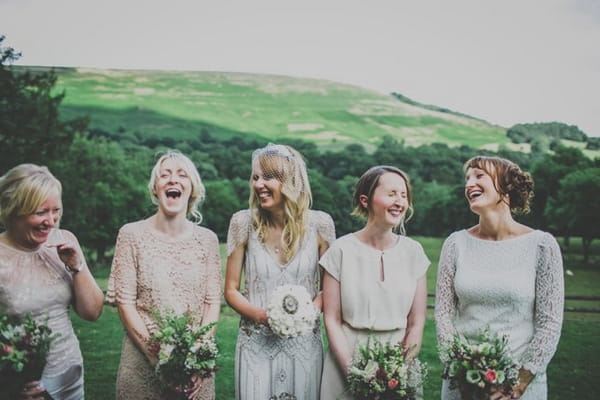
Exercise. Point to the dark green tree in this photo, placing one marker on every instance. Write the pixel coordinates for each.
(30, 126)
(573, 211)
(103, 188)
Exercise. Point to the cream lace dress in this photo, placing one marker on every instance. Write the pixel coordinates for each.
(157, 273)
(515, 286)
(267, 367)
(371, 307)
(37, 282)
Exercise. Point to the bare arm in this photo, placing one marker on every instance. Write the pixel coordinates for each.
(234, 298)
(88, 297)
(416, 320)
(318, 300)
(136, 330)
(332, 311)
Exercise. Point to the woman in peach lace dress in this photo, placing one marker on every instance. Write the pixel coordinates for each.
(165, 263)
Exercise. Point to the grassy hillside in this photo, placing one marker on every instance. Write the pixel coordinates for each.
(182, 104)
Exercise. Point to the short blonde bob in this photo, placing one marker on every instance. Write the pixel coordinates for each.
(23, 189)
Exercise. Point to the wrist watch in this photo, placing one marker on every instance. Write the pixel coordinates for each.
(74, 270)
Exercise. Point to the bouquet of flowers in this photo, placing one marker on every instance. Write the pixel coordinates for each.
(291, 312)
(476, 366)
(24, 346)
(184, 348)
(381, 372)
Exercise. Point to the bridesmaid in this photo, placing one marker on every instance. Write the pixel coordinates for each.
(502, 274)
(277, 241)
(43, 272)
(165, 263)
(375, 283)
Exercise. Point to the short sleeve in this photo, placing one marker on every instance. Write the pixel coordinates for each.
(331, 261)
(122, 282)
(420, 261)
(239, 229)
(325, 226)
(214, 291)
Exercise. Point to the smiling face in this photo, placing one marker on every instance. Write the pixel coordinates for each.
(32, 230)
(389, 201)
(172, 187)
(480, 191)
(267, 189)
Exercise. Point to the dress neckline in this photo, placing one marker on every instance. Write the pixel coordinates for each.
(373, 249)
(165, 238)
(507, 240)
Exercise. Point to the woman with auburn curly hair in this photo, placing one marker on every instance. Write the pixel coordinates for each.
(503, 275)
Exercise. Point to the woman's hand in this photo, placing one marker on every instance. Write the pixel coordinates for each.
(196, 385)
(260, 317)
(32, 391)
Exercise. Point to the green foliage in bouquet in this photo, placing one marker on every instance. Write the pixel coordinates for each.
(380, 371)
(24, 346)
(184, 348)
(479, 365)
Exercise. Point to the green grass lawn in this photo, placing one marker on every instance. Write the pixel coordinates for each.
(573, 373)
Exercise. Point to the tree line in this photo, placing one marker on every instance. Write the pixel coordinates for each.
(105, 174)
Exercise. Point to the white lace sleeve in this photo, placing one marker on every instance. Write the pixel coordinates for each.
(325, 226)
(239, 229)
(445, 297)
(549, 304)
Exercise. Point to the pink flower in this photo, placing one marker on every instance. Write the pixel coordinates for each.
(491, 376)
(392, 383)
(7, 349)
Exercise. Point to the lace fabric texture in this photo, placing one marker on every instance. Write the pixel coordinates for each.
(514, 286)
(37, 282)
(266, 366)
(156, 273)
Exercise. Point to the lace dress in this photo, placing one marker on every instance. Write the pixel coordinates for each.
(267, 367)
(371, 307)
(157, 273)
(37, 282)
(515, 286)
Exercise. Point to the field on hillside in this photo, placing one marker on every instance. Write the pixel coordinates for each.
(330, 114)
(573, 373)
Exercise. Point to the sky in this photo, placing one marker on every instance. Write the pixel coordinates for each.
(507, 62)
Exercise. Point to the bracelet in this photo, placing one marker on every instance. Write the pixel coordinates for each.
(74, 270)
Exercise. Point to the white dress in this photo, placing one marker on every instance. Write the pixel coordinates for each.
(371, 307)
(514, 286)
(266, 366)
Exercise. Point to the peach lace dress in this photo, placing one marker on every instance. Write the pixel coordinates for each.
(157, 273)
(514, 286)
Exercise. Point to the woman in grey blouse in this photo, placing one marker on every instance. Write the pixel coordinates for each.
(502, 274)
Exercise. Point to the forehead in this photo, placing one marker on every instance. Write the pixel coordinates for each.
(171, 165)
(391, 180)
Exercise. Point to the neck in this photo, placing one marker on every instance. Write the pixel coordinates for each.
(496, 225)
(10, 240)
(277, 219)
(170, 225)
(379, 237)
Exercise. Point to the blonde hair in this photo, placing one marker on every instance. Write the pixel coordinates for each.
(509, 180)
(23, 189)
(287, 166)
(198, 190)
(366, 186)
